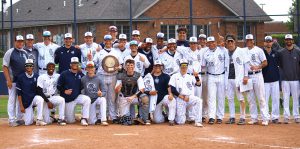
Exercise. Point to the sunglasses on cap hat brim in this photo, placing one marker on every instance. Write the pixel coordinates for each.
(28, 65)
(184, 65)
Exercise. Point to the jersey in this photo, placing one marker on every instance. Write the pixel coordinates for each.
(91, 86)
(124, 52)
(256, 56)
(48, 84)
(170, 62)
(63, 57)
(184, 84)
(33, 54)
(46, 53)
(130, 84)
(150, 58)
(161, 86)
(216, 61)
(239, 60)
(139, 65)
(193, 57)
(101, 55)
(85, 50)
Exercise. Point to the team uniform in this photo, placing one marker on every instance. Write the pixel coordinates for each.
(123, 52)
(150, 57)
(85, 50)
(49, 93)
(63, 57)
(170, 62)
(204, 92)
(139, 65)
(33, 54)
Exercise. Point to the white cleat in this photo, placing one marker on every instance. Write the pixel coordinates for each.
(198, 125)
(265, 123)
(40, 123)
(104, 124)
(84, 122)
(252, 122)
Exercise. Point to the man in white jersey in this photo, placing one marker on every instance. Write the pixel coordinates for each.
(46, 52)
(121, 46)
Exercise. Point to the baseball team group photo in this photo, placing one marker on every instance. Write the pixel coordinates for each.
(222, 81)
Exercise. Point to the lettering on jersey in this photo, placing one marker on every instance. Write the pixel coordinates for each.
(51, 52)
(253, 58)
(190, 62)
(221, 58)
(148, 86)
(156, 80)
(189, 85)
(199, 57)
(238, 61)
(178, 62)
(72, 52)
(273, 55)
(91, 87)
(138, 65)
(179, 90)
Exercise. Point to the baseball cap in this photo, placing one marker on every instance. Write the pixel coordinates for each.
(171, 40)
(90, 64)
(160, 35)
(183, 62)
(249, 37)
(229, 37)
(202, 36)
(19, 38)
(113, 28)
(288, 36)
(107, 37)
(29, 62)
(136, 32)
(133, 42)
(68, 35)
(268, 38)
(210, 38)
(88, 34)
(158, 62)
(29, 36)
(74, 60)
(148, 40)
(46, 33)
(193, 40)
(122, 36)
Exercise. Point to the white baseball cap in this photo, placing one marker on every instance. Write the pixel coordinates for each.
(249, 37)
(288, 36)
(74, 60)
(88, 34)
(113, 28)
(160, 35)
(107, 37)
(158, 62)
(29, 36)
(171, 40)
(193, 40)
(148, 40)
(136, 32)
(29, 61)
(202, 36)
(19, 38)
(268, 38)
(133, 42)
(68, 35)
(90, 64)
(210, 38)
(183, 61)
(122, 36)
(46, 33)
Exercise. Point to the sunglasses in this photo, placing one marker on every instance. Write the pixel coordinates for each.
(28, 65)
(229, 40)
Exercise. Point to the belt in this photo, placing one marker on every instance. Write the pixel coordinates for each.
(42, 68)
(253, 72)
(200, 73)
(216, 74)
(50, 96)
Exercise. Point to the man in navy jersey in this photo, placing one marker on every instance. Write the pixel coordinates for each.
(146, 49)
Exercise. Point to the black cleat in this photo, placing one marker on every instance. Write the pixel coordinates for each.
(171, 123)
(211, 121)
(203, 119)
(61, 122)
(219, 121)
(242, 121)
(98, 122)
(276, 121)
(231, 121)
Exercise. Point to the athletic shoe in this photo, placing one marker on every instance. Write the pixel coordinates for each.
(211, 121)
(203, 119)
(148, 122)
(20, 122)
(286, 121)
(104, 123)
(253, 122)
(198, 125)
(61, 122)
(84, 122)
(231, 121)
(98, 122)
(13, 124)
(53, 119)
(115, 121)
(190, 122)
(219, 121)
(297, 120)
(276, 121)
(139, 121)
(171, 123)
(40, 123)
(242, 121)
(265, 123)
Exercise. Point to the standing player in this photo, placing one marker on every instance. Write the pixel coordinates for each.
(181, 31)
(69, 85)
(64, 54)
(94, 89)
(136, 35)
(26, 87)
(46, 52)
(46, 88)
(271, 79)
(257, 62)
(113, 32)
(289, 60)
(32, 51)
(216, 61)
(159, 43)
(182, 87)
(148, 52)
(121, 48)
(13, 65)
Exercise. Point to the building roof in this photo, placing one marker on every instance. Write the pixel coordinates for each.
(52, 12)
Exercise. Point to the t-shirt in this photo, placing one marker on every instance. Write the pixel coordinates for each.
(63, 57)
(161, 85)
(91, 86)
(289, 63)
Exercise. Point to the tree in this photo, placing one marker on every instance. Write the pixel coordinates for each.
(292, 12)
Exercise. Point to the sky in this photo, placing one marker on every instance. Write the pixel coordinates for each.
(271, 7)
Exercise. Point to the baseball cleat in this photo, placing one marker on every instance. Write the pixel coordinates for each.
(286, 121)
(171, 123)
(265, 123)
(104, 123)
(148, 122)
(276, 121)
(40, 123)
(203, 119)
(242, 121)
(13, 124)
(253, 122)
(231, 121)
(211, 121)
(98, 122)
(84, 122)
(61, 122)
(198, 125)
(219, 121)
(115, 121)
(297, 120)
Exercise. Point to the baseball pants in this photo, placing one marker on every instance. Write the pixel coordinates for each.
(272, 90)
(28, 116)
(83, 100)
(258, 92)
(204, 95)
(231, 91)
(100, 101)
(57, 101)
(171, 108)
(194, 104)
(13, 106)
(288, 88)
(216, 91)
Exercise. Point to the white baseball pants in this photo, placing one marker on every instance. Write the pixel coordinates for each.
(83, 100)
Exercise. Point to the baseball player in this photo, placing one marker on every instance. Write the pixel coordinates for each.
(130, 88)
(271, 79)
(13, 65)
(289, 60)
(164, 96)
(46, 51)
(94, 89)
(136, 35)
(147, 51)
(216, 61)
(140, 60)
(63, 55)
(26, 88)
(257, 62)
(69, 85)
(32, 51)
(159, 43)
(121, 46)
(181, 31)
(182, 88)
(46, 88)
(113, 31)
(202, 41)
(108, 78)
(88, 50)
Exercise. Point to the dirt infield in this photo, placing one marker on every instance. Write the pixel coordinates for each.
(154, 136)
